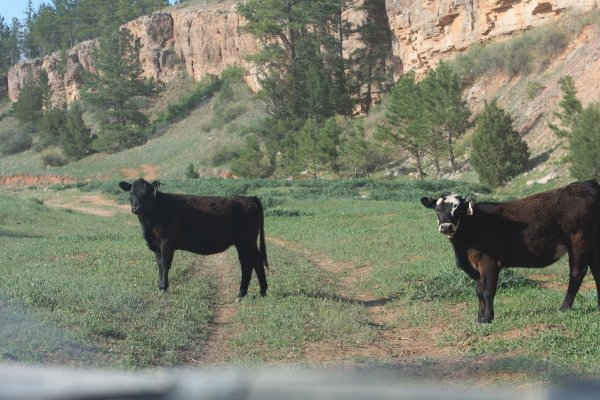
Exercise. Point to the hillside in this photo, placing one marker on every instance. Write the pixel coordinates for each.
(177, 52)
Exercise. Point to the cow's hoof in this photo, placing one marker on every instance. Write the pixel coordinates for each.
(239, 299)
(162, 291)
(565, 308)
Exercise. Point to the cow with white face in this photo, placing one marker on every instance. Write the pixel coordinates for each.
(531, 232)
(450, 209)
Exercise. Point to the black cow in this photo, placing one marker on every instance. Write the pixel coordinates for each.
(200, 224)
(532, 232)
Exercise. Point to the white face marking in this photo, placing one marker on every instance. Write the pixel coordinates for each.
(455, 201)
(452, 199)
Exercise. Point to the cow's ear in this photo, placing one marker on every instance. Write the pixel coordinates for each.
(126, 186)
(471, 206)
(156, 185)
(428, 202)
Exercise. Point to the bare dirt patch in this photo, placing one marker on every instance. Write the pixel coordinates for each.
(216, 349)
(34, 180)
(90, 204)
(148, 172)
(393, 342)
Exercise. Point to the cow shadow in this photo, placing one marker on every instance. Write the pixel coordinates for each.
(344, 299)
(539, 159)
(19, 235)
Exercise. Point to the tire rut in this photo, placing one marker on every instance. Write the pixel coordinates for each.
(223, 273)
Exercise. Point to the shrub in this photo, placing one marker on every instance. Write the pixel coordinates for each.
(190, 172)
(222, 155)
(15, 141)
(53, 158)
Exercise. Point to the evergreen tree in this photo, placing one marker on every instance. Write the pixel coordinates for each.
(358, 156)
(9, 45)
(584, 144)
(498, 152)
(370, 59)
(447, 113)
(33, 97)
(52, 125)
(406, 122)
(250, 163)
(301, 53)
(317, 145)
(115, 91)
(570, 108)
(75, 138)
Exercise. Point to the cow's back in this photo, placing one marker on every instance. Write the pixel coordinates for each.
(535, 231)
(211, 224)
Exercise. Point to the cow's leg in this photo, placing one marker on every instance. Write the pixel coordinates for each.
(489, 282)
(578, 268)
(260, 271)
(595, 267)
(164, 265)
(479, 289)
(244, 255)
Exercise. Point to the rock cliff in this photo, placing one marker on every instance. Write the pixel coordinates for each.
(426, 31)
(204, 39)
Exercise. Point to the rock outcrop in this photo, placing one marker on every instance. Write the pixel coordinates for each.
(197, 40)
(426, 31)
(204, 39)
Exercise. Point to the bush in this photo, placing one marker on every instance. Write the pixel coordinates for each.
(53, 158)
(190, 172)
(222, 155)
(15, 141)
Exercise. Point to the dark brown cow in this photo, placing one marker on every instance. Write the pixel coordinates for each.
(202, 225)
(531, 232)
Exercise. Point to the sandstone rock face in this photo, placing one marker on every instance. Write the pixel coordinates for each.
(64, 73)
(204, 39)
(427, 31)
(196, 40)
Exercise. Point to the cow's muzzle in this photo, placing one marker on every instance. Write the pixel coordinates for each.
(447, 229)
(136, 210)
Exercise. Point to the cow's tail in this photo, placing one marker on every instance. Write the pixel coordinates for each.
(262, 248)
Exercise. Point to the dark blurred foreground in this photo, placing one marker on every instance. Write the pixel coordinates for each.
(49, 383)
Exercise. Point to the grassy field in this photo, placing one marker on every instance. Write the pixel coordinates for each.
(359, 275)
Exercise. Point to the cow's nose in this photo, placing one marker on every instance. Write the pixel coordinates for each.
(446, 228)
(135, 210)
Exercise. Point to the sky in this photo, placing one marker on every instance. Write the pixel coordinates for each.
(10, 9)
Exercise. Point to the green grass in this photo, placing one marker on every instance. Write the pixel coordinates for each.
(88, 284)
(93, 278)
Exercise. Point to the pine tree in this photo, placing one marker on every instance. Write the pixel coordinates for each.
(406, 124)
(498, 152)
(584, 144)
(9, 45)
(570, 108)
(358, 155)
(33, 97)
(370, 59)
(447, 113)
(115, 91)
(75, 139)
(250, 163)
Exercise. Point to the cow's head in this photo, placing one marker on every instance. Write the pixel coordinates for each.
(450, 209)
(141, 194)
